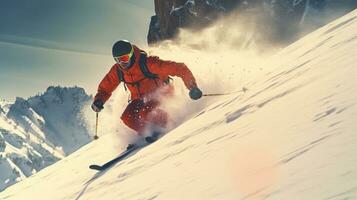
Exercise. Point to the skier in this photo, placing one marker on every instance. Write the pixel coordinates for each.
(148, 80)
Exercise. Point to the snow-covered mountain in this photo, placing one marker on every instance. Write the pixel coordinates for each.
(39, 131)
(292, 135)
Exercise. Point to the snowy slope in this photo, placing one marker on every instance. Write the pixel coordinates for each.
(291, 136)
(27, 129)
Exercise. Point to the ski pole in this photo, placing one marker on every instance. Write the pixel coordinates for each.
(96, 126)
(221, 94)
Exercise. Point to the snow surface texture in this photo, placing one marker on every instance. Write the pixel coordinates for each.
(37, 132)
(290, 136)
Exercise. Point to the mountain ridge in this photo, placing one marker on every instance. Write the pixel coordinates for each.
(36, 132)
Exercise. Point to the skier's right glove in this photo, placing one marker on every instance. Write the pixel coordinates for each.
(195, 93)
(97, 105)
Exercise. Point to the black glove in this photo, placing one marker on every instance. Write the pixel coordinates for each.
(195, 93)
(97, 105)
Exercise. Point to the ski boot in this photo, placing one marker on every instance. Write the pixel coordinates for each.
(130, 146)
(155, 135)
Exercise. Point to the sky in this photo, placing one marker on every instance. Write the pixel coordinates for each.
(66, 43)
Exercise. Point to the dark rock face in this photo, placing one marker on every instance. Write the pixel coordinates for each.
(285, 17)
(174, 14)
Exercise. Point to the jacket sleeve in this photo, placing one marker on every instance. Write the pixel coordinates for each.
(109, 83)
(170, 68)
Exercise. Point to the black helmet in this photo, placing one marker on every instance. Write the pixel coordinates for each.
(122, 47)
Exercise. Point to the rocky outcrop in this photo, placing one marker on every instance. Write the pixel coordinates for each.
(286, 17)
(174, 14)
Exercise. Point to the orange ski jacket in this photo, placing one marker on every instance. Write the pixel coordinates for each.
(139, 85)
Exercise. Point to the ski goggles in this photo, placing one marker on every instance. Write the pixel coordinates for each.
(124, 58)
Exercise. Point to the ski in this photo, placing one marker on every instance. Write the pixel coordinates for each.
(148, 140)
(115, 160)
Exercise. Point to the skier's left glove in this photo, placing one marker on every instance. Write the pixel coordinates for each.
(97, 105)
(195, 93)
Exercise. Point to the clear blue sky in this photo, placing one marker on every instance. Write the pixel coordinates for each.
(65, 42)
